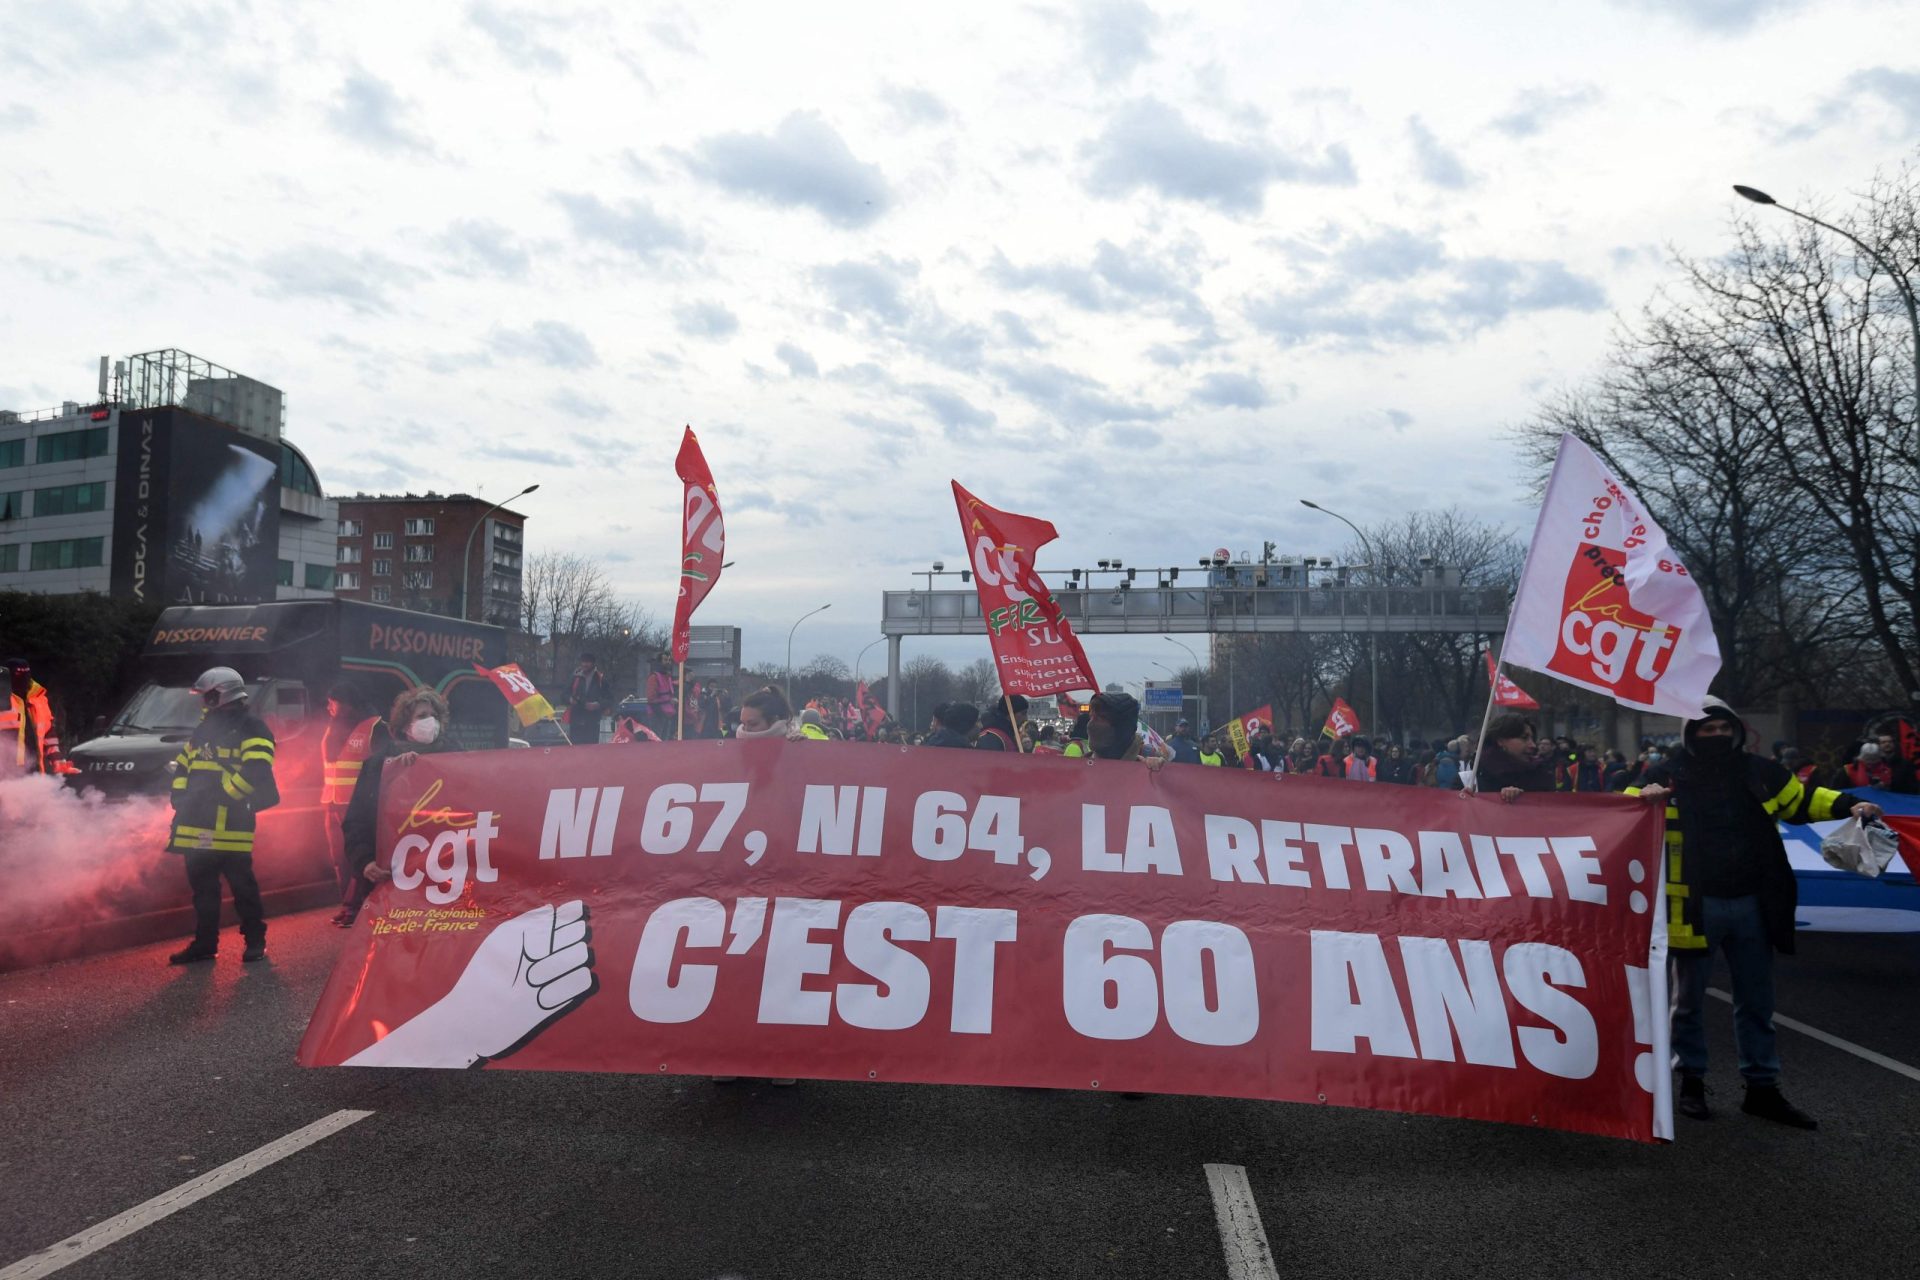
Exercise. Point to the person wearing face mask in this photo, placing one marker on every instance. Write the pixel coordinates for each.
(418, 726)
(354, 733)
(222, 779)
(1730, 888)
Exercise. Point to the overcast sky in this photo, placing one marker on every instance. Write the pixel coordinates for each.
(1150, 271)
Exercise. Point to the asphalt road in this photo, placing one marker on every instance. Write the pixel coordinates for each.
(121, 1078)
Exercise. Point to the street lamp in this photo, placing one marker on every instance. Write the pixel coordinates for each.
(1900, 281)
(1373, 643)
(796, 626)
(856, 663)
(466, 563)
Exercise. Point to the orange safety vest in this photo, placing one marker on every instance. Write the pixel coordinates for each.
(339, 773)
(32, 756)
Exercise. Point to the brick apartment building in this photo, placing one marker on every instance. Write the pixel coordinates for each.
(408, 550)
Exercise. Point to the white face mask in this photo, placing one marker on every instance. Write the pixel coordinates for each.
(425, 729)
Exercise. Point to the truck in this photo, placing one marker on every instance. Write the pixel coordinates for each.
(290, 652)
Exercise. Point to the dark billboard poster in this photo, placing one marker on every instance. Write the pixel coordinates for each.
(198, 519)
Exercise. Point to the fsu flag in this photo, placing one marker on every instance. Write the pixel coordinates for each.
(1604, 603)
(703, 540)
(1505, 692)
(1342, 722)
(1034, 649)
(529, 705)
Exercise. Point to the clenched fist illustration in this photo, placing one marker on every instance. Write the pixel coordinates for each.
(526, 973)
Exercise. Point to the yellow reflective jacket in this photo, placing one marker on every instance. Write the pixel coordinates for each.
(222, 778)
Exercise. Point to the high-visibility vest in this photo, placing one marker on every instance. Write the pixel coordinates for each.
(1212, 758)
(339, 773)
(33, 712)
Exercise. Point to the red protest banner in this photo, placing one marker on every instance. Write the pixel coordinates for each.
(844, 911)
(703, 540)
(1034, 649)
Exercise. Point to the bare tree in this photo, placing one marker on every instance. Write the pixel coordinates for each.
(569, 607)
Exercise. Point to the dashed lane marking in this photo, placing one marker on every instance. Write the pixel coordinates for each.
(1242, 1238)
(100, 1235)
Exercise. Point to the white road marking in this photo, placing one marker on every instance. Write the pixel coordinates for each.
(1242, 1238)
(1824, 1037)
(99, 1236)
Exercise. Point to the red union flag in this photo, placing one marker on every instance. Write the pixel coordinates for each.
(1242, 729)
(1034, 649)
(1505, 692)
(703, 540)
(1604, 603)
(1343, 721)
(528, 704)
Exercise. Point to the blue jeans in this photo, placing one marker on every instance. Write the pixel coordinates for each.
(1732, 925)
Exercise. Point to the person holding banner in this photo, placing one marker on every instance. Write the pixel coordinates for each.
(1731, 888)
(1113, 731)
(418, 725)
(764, 713)
(996, 725)
(1509, 761)
(355, 733)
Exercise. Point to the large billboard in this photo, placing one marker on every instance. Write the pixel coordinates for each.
(196, 513)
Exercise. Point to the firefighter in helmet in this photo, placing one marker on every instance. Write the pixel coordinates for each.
(27, 740)
(222, 779)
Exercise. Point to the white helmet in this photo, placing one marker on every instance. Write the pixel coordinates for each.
(223, 683)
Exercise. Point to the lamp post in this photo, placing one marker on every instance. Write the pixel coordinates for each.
(795, 627)
(1900, 281)
(466, 563)
(1373, 642)
(856, 662)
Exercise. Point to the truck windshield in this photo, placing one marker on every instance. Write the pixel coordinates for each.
(163, 709)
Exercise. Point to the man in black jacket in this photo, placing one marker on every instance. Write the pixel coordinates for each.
(953, 723)
(1729, 886)
(586, 701)
(222, 778)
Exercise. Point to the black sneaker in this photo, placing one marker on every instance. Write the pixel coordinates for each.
(192, 955)
(1692, 1101)
(255, 951)
(1767, 1102)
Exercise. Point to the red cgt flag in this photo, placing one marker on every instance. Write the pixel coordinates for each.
(1342, 722)
(1505, 692)
(703, 540)
(1034, 649)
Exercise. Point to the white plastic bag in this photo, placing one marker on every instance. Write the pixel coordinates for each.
(1862, 848)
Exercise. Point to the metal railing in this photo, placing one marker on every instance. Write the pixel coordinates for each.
(1113, 610)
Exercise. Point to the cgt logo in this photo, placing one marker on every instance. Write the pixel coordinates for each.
(1603, 639)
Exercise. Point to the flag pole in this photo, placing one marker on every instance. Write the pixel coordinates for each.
(1019, 743)
(680, 705)
(1493, 694)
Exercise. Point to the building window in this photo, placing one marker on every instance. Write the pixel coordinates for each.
(13, 453)
(506, 561)
(350, 528)
(383, 542)
(69, 553)
(420, 527)
(506, 534)
(285, 577)
(10, 558)
(13, 506)
(420, 579)
(320, 577)
(70, 499)
(65, 446)
(381, 593)
(296, 475)
(420, 551)
(349, 555)
(501, 585)
(383, 568)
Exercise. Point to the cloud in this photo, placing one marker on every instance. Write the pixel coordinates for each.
(1899, 90)
(954, 412)
(1397, 287)
(915, 106)
(479, 247)
(367, 110)
(1116, 37)
(634, 227)
(18, 117)
(1150, 144)
(360, 281)
(576, 405)
(799, 363)
(1072, 399)
(550, 342)
(1399, 419)
(871, 289)
(1726, 17)
(1233, 391)
(508, 452)
(1536, 109)
(516, 33)
(1016, 331)
(1433, 161)
(705, 320)
(1133, 278)
(802, 163)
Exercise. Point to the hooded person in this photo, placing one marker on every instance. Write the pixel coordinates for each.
(996, 726)
(1113, 730)
(1730, 888)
